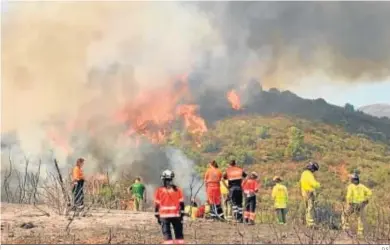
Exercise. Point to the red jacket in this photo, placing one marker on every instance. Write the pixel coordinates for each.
(169, 202)
(250, 186)
(213, 177)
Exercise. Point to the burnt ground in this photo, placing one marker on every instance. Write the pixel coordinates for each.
(25, 224)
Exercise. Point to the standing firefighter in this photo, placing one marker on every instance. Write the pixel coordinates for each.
(357, 199)
(308, 188)
(78, 184)
(280, 196)
(169, 209)
(250, 188)
(235, 176)
(138, 194)
(212, 179)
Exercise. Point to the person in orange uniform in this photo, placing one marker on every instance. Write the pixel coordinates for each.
(235, 176)
(212, 179)
(250, 187)
(78, 183)
(169, 209)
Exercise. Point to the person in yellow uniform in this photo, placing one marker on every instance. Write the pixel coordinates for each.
(309, 185)
(225, 198)
(357, 199)
(280, 197)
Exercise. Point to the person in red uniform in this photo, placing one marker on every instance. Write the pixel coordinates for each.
(212, 179)
(250, 187)
(169, 209)
(235, 176)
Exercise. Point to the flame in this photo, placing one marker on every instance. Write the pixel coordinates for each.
(149, 115)
(234, 99)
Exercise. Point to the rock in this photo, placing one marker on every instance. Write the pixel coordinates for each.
(27, 225)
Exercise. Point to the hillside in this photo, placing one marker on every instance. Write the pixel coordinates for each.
(215, 107)
(280, 145)
(378, 110)
(270, 145)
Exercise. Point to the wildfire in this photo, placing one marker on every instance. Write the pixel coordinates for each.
(234, 99)
(149, 115)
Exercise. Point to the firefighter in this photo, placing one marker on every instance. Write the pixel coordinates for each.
(78, 184)
(250, 188)
(212, 179)
(235, 175)
(309, 185)
(169, 209)
(192, 209)
(226, 207)
(138, 194)
(357, 199)
(280, 196)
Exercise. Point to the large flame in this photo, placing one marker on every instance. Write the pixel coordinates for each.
(149, 115)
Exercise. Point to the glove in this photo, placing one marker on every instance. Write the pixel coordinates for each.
(157, 216)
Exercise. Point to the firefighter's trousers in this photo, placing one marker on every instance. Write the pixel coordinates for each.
(309, 199)
(354, 209)
(214, 199)
(138, 203)
(281, 215)
(78, 193)
(250, 208)
(177, 225)
(235, 196)
(227, 208)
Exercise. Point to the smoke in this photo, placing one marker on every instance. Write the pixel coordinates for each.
(82, 61)
(280, 43)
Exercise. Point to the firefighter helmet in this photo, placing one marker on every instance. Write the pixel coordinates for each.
(355, 177)
(254, 175)
(277, 178)
(167, 175)
(313, 166)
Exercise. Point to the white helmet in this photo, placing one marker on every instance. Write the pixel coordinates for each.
(167, 175)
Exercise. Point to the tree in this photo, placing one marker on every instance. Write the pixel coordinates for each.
(262, 132)
(349, 108)
(295, 148)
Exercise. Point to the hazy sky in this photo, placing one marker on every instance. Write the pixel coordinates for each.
(358, 95)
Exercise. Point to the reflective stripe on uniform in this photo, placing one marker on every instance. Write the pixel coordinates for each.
(169, 215)
(167, 207)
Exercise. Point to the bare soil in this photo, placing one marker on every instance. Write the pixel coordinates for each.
(103, 226)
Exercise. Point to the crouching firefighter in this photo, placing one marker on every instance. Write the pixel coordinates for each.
(235, 176)
(250, 187)
(169, 209)
(212, 178)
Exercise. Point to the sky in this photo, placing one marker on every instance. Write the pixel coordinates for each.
(359, 95)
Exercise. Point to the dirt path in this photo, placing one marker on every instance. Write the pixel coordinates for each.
(126, 227)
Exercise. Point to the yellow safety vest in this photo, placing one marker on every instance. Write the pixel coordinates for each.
(308, 182)
(224, 190)
(357, 193)
(280, 196)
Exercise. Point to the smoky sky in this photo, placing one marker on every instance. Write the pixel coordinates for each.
(356, 33)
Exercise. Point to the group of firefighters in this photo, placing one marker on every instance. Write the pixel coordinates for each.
(227, 193)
